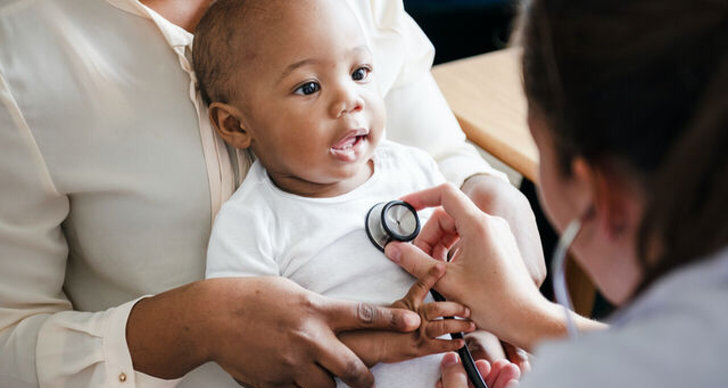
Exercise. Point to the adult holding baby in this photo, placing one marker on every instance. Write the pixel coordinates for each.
(111, 177)
(628, 107)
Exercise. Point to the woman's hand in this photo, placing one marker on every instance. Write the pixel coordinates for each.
(386, 346)
(263, 331)
(486, 271)
(499, 198)
(500, 374)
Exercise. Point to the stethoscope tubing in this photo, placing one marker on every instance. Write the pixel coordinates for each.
(465, 356)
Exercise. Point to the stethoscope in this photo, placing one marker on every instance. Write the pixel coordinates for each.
(398, 221)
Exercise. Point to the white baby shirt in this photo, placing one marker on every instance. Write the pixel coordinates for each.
(321, 243)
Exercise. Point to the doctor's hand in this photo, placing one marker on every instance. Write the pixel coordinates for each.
(500, 374)
(264, 332)
(486, 272)
(387, 346)
(499, 198)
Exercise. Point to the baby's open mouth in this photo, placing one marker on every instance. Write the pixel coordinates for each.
(349, 147)
(348, 142)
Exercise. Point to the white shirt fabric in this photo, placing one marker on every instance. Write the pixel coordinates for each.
(674, 335)
(321, 243)
(110, 174)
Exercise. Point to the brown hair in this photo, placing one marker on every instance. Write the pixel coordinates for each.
(215, 48)
(640, 84)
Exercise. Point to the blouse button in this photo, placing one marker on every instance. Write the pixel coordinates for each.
(122, 377)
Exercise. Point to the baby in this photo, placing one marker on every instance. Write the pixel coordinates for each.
(293, 81)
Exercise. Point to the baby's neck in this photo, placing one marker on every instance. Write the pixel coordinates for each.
(305, 188)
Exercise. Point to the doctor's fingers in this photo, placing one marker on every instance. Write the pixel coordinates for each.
(453, 201)
(315, 376)
(437, 235)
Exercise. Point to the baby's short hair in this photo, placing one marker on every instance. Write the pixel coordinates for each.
(216, 46)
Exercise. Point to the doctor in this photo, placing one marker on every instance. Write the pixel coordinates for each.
(628, 107)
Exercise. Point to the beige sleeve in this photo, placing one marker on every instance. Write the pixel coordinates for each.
(43, 342)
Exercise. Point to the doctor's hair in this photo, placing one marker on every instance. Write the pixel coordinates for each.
(219, 47)
(641, 87)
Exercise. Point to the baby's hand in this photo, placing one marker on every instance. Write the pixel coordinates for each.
(379, 346)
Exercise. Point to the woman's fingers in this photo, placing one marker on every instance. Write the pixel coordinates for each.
(315, 377)
(345, 315)
(438, 235)
(341, 361)
(454, 201)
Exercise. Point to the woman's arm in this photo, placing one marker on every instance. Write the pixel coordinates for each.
(263, 331)
(41, 341)
(486, 274)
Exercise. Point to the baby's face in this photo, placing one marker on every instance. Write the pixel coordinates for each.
(308, 97)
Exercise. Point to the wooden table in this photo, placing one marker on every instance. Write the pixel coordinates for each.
(486, 95)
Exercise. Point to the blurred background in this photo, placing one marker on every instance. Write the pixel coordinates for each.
(463, 28)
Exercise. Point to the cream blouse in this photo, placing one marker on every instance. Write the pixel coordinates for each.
(110, 174)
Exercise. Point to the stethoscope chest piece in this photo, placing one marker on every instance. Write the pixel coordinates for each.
(392, 221)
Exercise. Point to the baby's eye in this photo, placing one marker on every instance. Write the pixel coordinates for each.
(361, 73)
(307, 88)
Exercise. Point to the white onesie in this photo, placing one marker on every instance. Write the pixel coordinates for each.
(321, 243)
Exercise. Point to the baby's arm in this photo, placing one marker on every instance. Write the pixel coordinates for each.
(379, 346)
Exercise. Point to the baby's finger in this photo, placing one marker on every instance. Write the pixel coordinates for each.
(504, 372)
(421, 288)
(435, 310)
(435, 346)
(434, 329)
(453, 373)
(517, 356)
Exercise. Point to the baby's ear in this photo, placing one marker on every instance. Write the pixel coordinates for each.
(226, 120)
